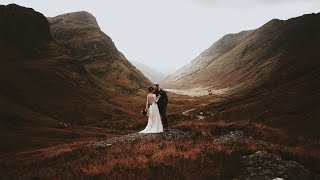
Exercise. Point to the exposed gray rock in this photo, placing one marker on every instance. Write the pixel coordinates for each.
(264, 165)
(231, 138)
(171, 134)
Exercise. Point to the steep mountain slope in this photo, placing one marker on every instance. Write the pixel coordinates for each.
(272, 73)
(199, 72)
(39, 75)
(153, 75)
(81, 36)
(44, 90)
(251, 57)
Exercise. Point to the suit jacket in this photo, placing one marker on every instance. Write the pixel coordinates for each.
(163, 100)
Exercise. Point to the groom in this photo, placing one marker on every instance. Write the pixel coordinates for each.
(162, 105)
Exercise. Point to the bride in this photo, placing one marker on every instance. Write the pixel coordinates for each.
(154, 121)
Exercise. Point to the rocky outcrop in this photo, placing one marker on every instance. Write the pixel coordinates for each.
(81, 36)
(169, 135)
(264, 165)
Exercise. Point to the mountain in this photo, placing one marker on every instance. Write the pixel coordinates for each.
(81, 36)
(201, 71)
(48, 85)
(153, 75)
(271, 73)
(59, 80)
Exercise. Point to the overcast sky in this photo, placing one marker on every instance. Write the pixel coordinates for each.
(168, 34)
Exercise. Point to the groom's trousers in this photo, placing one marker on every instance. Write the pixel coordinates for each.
(163, 113)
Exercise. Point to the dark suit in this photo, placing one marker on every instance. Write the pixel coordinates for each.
(162, 104)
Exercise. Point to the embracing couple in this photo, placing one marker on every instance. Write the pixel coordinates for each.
(157, 101)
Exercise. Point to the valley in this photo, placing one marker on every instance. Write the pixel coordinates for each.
(246, 108)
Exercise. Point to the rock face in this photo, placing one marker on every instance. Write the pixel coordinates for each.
(81, 36)
(153, 75)
(271, 74)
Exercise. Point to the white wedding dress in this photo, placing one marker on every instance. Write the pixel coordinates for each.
(154, 121)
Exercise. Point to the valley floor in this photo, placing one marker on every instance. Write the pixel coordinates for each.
(196, 92)
(193, 148)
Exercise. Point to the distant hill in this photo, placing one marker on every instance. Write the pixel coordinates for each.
(154, 75)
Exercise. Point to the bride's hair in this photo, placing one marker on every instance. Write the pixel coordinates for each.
(150, 89)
